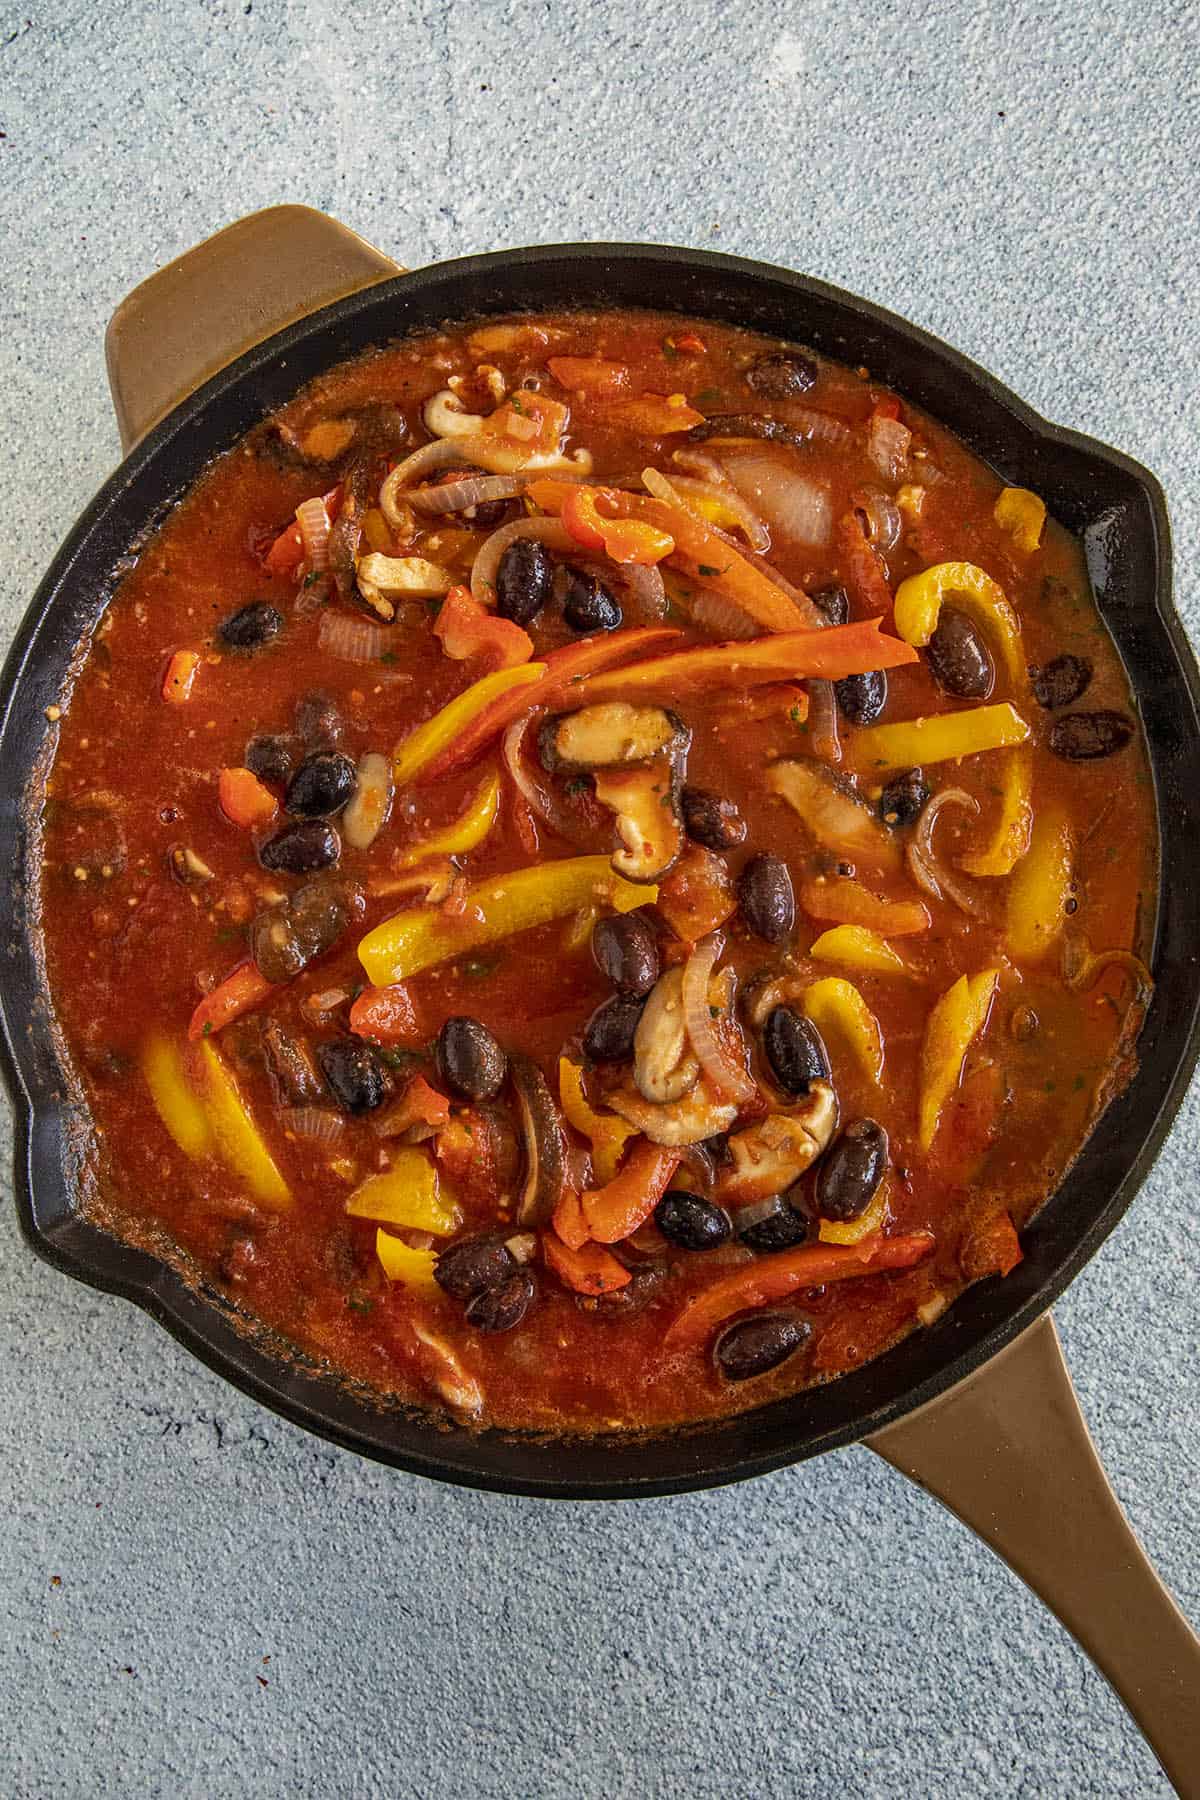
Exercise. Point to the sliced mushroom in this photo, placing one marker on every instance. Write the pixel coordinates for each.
(610, 735)
(697, 1116)
(833, 812)
(385, 579)
(367, 812)
(286, 938)
(294, 1075)
(769, 1156)
(445, 1373)
(545, 1158)
(664, 1065)
(649, 824)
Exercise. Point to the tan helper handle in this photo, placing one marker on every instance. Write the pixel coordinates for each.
(1008, 1449)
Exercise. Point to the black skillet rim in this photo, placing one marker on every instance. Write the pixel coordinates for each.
(1068, 468)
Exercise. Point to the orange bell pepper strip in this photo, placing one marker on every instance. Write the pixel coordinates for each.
(240, 992)
(568, 1221)
(770, 1278)
(181, 673)
(861, 566)
(829, 655)
(591, 1269)
(616, 1210)
(624, 540)
(464, 628)
(699, 550)
(387, 1015)
(845, 901)
(655, 415)
(244, 800)
(470, 734)
(590, 375)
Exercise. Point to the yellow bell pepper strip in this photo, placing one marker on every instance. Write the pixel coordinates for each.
(956, 1020)
(235, 1134)
(496, 908)
(699, 550)
(241, 991)
(919, 604)
(465, 833)
(406, 1194)
(1040, 888)
(616, 1210)
(624, 540)
(796, 655)
(1022, 514)
(847, 902)
(942, 737)
(1014, 821)
(655, 415)
(173, 1096)
(561, 673)
(837, 1008)
(770, 1278)
(853, 1231)
(400, 1262)
(857, 947)
(464, 628)
(608, 1134)
(589, 1269)
(420, 747)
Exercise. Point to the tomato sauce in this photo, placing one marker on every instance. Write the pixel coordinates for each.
(150, 889)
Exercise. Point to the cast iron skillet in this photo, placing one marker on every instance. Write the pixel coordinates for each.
(1111, 502)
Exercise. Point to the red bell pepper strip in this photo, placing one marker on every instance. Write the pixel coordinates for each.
(563, 667)
(464, 628)
(862, 566)
(589, 1270)
(775, 1277)
(616, 1210)
(842, 650)
(386, 1015)
(240, 992)
(625, 540)
(419, 1104)
(244, 800)
(569, 1222)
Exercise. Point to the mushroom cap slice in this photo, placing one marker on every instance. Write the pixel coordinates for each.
(649, 825)
(698, 1115)
(611, 735)
(837, 817)
(545, 1158)
(664, 1064)
(770, 1155)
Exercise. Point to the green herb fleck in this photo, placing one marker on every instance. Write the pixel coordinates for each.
(795, 715)
(435, 607)
(310, 580)
(1051, 1086)
(515, 403)
(360, 1303)
(714, 1012)
(707, 397)
(670, 348)
(229, 934)
(207, 1032)
(389, 656)
(397, 1059)
(1080, 1084)
(578, 784)
(707, 569)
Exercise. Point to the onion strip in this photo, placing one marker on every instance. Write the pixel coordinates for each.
(923, 864)
(351, 640)
(313, 521)
(823, 732)
(441, 454)
(685, 492)
(551, 532)
(472, 490)
(313, 1123)
(880, 518)
(542, 802)
(729, 1078)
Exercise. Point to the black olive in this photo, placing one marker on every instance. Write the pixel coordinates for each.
(771, 1225)
(960, 660)
(318, 721)
(473, 1264)
(251, 626)
(625, 949)
(1059, 682)
(751, 1346)
(834, 602)
(781, 374)
(692, 1223)
(608, 1034)
(766, 898)
(500, 1308)
(301, 848)
(321, 785)
(270, 758)
(710, 820)
(354, 1073)
(794, 1048)
(1082, 736)
(861, 698)
(903, 799)
(469, 1059)
(849, 1177)
(524, 581)
(588, 605)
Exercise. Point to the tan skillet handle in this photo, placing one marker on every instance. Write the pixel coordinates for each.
(235, 289)
(1008, 1450)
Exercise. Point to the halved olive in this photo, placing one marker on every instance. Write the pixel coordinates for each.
(766, 897)
(321, 785)
(625, 949)
(469, 1059)
(692, 1223)
(755, 1345)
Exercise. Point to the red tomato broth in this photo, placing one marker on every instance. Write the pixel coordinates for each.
(132, 949)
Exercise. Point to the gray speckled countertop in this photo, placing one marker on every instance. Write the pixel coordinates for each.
(197, 1599)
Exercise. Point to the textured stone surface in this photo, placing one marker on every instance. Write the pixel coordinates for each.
(1022, 181)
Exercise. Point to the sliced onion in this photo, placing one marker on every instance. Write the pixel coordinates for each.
(724, 618)
(551, 532)
(313, 521)
(683, 491)
(472, 490)
(794, 503)
(370, 803)
(542, 801)
(880, 517)
(644, 583)
(887, 446)
(823, 732)
(924, 866)
(313, 1123)
(727, 1076)
(1082, 968)
(699, 462)
(443, 453)
(351, 640)
(814, 618)
(312, 595)
(522, 1246)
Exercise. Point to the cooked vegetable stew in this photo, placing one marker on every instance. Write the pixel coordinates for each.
(595, 872)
